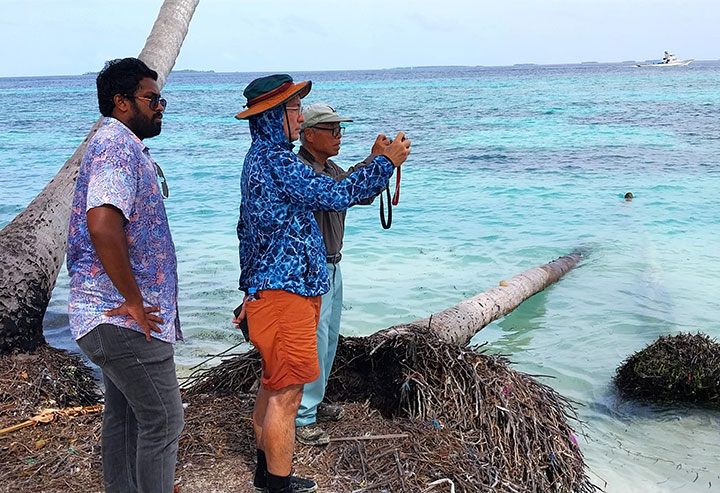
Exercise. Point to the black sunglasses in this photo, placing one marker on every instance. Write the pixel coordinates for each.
(335, 130)
(154, 100)
(163, 182)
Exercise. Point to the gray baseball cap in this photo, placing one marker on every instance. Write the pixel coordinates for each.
(320, 113)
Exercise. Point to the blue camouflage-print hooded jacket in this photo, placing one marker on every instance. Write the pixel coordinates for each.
(280, 243)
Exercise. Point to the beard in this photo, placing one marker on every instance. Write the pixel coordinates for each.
(143, 126)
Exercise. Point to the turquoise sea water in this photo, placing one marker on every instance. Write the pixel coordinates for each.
(511, 167)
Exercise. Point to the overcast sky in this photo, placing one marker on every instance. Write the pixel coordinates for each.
(54, 37)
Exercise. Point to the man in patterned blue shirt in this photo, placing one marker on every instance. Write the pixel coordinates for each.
(283, 262)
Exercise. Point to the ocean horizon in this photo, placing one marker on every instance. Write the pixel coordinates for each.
(511, 167)
(186, 70)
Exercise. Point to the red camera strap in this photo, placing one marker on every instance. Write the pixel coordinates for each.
(396, 197)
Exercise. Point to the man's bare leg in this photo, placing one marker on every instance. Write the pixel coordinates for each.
(277, 427)
(261, 402)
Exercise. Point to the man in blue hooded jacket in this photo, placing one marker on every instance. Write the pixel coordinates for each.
(283, 263)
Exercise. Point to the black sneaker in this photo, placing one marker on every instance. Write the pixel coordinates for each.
(297, 485)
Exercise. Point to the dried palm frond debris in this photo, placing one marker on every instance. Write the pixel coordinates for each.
(419, 417)
(471, 421)
(46, 378)
(63, 454)
(48, 415)
(680, 368)
(60, 456)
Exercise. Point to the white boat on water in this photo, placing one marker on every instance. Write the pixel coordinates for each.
(668, 60)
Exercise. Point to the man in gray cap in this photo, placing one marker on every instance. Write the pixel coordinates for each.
(320, 136)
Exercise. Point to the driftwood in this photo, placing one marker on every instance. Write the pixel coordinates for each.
(501, 430)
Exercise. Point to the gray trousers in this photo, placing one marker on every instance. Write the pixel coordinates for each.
(143, 414)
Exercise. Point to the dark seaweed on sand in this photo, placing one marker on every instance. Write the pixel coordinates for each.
(681, 368)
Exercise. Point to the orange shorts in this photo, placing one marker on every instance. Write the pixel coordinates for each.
(283, 327)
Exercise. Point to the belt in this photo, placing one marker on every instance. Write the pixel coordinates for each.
(334, 259)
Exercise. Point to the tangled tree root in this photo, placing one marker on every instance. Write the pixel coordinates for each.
(681, 368)
(468, 418)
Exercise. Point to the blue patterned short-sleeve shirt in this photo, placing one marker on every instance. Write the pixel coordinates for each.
(117, 170)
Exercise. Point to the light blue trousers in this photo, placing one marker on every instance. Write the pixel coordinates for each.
(327, 339)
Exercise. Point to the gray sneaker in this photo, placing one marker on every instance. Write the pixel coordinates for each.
(312, 434)
(329, 412)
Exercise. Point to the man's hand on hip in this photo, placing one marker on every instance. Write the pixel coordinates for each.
(107, 233)
(143, 315)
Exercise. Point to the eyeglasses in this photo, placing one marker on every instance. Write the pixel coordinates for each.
(336, 131)
(154, 101)
(163, 181)
(297, 108)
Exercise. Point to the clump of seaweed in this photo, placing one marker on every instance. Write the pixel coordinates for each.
(681, 368)
(450, 414)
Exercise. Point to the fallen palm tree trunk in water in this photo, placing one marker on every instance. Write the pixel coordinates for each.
(471, 419)
(461, 322)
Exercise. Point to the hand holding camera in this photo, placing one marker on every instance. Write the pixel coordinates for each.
(381, 143)
(398, 150)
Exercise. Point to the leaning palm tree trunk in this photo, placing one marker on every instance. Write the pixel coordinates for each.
(32, 246)
(458, 324)
(162, 46)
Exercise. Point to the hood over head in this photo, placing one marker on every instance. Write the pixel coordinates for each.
(268, 126)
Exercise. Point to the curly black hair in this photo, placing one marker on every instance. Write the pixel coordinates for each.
(120, 76)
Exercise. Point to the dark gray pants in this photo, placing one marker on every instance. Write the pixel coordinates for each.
(143, 414)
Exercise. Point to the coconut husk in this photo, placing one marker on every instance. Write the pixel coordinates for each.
(680, 368)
